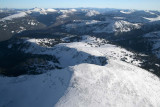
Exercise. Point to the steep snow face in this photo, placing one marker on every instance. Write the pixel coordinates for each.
(154, 39)
(14, 16)
(153, 19)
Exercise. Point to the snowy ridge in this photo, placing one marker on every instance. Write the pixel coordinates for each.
(38, 10)
(108, 26)
(14, 16)
(70, 11)
(116, 85)
(119, 26)
(83, 80)
(153, 19)
(88, 85)
(41, 11)
(87, 46)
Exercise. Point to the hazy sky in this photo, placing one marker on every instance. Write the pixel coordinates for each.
(124, 4)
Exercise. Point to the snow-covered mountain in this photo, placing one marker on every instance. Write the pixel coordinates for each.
(93, 73)
(83, 57)
(96, 26)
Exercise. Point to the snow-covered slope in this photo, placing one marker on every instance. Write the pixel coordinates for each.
(119, 26)
(108, 26)
(116, 85)
(93, 74)
(14, 16)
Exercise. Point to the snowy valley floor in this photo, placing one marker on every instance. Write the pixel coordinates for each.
(93, 75)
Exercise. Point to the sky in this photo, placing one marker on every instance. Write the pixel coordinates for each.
(119, 4)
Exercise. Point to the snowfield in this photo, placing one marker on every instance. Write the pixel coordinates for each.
(93, 74)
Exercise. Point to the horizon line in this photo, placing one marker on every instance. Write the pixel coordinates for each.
(80, 7)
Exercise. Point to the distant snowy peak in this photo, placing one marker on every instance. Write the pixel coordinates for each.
(125, 26)
(51, 10)
(68, 11)
(38, 10)
(127, 11)
(90, 12)
(65, 13)
(14, 16)
(41, 10)
(73, 10)
(109, 26)
(119, 26)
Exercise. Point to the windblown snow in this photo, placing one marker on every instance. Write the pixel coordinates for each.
(84, 81)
